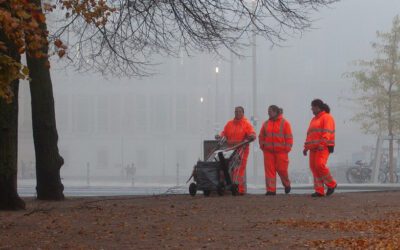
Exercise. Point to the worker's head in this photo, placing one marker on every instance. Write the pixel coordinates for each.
(274, 111)
(239, 112)
(317, 105)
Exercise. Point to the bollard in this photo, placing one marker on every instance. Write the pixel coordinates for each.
(177, 174)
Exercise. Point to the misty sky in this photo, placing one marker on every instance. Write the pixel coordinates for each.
(303, 68)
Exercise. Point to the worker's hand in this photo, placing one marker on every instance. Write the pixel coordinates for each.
(251, 138)
(218, 137)
(305, 152)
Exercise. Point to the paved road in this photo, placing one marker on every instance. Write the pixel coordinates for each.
(29, 190)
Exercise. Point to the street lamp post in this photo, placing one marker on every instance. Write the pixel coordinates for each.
(208, 98)
(254, 94)
(216, 99)
(201, 127)
(232, 92)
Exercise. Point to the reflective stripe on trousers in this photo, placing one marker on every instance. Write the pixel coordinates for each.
(276, 163)
(320, 170)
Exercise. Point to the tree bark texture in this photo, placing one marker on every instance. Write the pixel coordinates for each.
(9, 198)
(45, 136)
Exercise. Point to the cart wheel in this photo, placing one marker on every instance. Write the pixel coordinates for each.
(206, 192)
(220, 190)
(234, 189)
(192, 189)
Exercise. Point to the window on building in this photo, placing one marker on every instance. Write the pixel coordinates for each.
(102, 114)
(128, 122)
(181, 113)
(141, 111)
(181, 158)
(82, 114)
(161, 113)
(102, 158)
(115, 112)
(141, 159)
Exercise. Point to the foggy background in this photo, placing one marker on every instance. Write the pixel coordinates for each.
(158, 123)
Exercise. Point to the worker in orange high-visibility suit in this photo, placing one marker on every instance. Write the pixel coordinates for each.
(236, 131)
(320, 142)
(276, 141)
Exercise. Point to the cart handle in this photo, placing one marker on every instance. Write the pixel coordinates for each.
(237, 146)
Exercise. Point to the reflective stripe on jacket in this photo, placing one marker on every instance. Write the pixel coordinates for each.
(321, 132)
(276, 135)
(236, 131)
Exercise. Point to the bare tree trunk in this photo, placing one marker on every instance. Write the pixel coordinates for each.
(391, 161)
(48, 159)
(9, 198)
(390, 129)
(393, 62)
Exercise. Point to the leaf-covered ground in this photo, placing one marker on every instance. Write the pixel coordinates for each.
(347, 220)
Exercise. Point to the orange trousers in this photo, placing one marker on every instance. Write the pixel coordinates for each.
(276, 163)
(238, 175)
(320, 171)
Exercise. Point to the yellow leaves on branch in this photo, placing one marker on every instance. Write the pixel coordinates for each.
(60, 48)
(21, 23)
(12, 27)
(23, 14)
(58, 43)
(61, 53)
(48, 7)
(10, 70)
(93, 11)
(3, 46)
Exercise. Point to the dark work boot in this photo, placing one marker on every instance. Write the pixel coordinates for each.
(317, 195)
(287, 189)
(270, 193)
(330, 190)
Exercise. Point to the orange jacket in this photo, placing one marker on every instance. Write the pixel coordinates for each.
(321, 132)
(276, 135)
(236, 131)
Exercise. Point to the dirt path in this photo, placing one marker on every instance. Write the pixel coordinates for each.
(347, 220)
